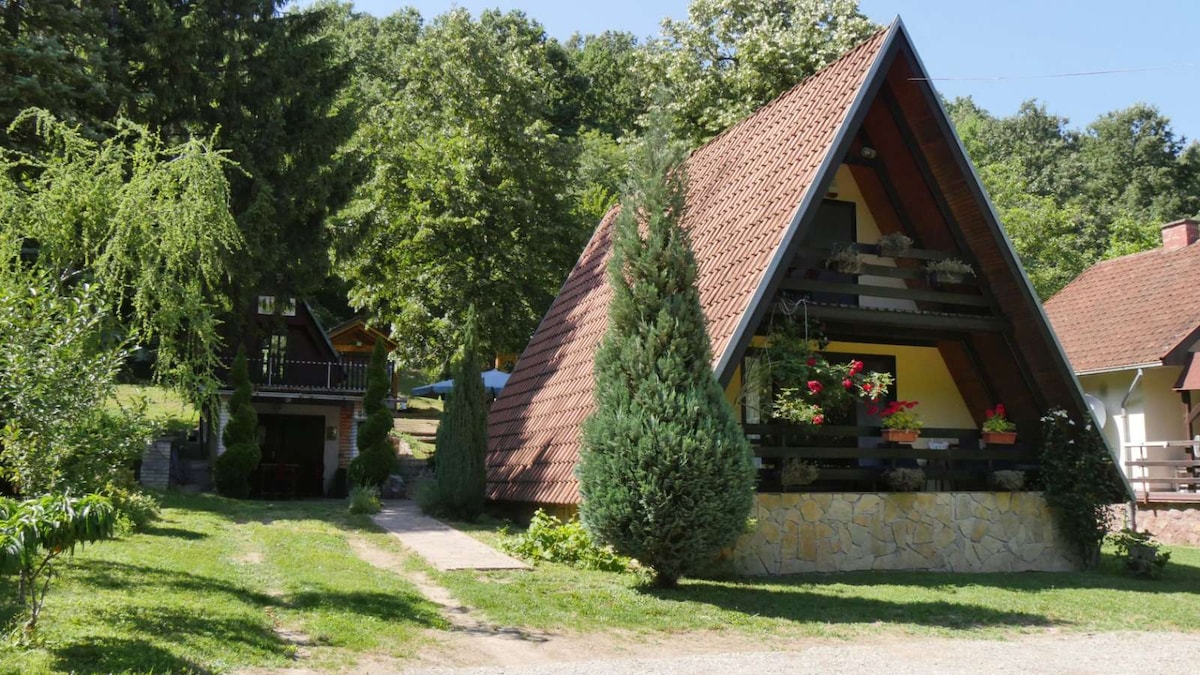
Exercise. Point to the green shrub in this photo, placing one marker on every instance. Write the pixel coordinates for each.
(666, 473)
(428, 497)
(35, 532)
(462, 434)
(364, 500)
(233, 467)
(134, 507)
(1141, 553)
(376, 458)
(548, 539)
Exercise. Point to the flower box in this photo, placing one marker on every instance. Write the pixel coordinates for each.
(900, 435)
(999, 437)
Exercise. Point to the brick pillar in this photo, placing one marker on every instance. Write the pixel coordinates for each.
(346, 435)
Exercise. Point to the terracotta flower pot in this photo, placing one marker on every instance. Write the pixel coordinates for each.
(900, 435)
(999, 437)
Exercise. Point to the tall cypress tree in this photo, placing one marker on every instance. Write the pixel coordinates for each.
(376, 457)
(462, 434)
(242, 454)
(666, 472)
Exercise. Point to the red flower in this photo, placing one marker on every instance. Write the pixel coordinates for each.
(872, 409)
(811, 361)
(818, 419)
(847, 383)
(856, 367)
(868, 386)
(814, 386)
(1000, 409)
(910, 405)
(990, 413)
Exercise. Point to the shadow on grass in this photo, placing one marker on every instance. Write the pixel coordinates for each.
(119, 655)
(175, 532)
(789, 601)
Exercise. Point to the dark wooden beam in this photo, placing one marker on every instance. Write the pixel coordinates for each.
(910, 320)
(873, 291)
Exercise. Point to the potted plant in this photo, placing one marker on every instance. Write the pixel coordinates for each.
(949, 270)
(900, 423)
(997, 429)
(799, 472)
(847, 260)
(895, 244)
(905, 479)
(1007, 480)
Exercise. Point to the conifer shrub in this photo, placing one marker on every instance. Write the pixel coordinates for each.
(462, 435)
(666, 473)
(376, 455)
(233, 468)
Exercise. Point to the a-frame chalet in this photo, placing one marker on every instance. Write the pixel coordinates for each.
(861, 149)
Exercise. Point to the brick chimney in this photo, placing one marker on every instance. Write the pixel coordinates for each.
(1180, 233)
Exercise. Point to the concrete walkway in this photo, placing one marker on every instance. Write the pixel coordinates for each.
(439, 544)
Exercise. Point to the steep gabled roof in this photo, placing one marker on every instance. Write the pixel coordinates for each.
(751, 197)
(743, 191)
(1130, 311)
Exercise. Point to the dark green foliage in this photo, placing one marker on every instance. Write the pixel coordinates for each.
(376, 455)
(34, 533)
(549, 539)
(462, 434)
(1080, 482)
(666, 473)
(1141, 553)
(242, 454)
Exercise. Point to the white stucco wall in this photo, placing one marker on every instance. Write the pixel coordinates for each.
(1153, 412)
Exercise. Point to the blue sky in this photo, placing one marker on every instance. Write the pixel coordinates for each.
(974, 39)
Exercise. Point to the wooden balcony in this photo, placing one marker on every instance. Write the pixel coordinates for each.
(1176, 481)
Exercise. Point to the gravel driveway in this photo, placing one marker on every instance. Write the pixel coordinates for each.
(1159, 653)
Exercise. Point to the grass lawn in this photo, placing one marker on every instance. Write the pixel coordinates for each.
(842, 605)
(172, 413)
(219, 585)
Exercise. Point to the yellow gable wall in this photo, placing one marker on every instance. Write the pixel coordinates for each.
(868, 233)
(922, 376)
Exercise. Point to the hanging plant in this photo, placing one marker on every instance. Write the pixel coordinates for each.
(814, 389)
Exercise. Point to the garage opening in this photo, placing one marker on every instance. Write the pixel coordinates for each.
(293, 457)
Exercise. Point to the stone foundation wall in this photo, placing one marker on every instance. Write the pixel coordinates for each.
(1171, 523)
(930, 531)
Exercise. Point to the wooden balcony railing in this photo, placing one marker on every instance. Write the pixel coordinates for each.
(964, 464)
(348, 376)
(1164, 480)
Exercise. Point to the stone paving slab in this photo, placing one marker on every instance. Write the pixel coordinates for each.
(439, 544)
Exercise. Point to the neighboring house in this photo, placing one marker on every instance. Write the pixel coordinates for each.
(861, 149)
(1131, 327)
(355, 340)
(308, 396)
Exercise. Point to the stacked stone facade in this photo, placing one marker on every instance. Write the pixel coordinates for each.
(934, 531)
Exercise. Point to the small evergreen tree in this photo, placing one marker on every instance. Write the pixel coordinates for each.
(376, 456)
(666, 472)
(242, 454)
(462, 434)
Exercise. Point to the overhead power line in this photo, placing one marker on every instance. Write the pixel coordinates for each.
(1084, 73)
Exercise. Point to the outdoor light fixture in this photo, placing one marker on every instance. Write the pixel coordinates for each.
(868, 152)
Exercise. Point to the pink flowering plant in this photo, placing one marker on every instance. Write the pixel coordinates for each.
(817, 388)
(899, 415)
(994, 420)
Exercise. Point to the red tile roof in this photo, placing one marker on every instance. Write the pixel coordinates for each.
(1128, 311)
(742, 193)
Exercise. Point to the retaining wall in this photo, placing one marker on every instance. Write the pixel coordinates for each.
(930, 531)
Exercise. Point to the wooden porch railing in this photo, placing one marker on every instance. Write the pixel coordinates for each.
(348, 376)
(965, 464)
(1179, 479)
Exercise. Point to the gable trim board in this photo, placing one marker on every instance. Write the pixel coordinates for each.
(734, 192)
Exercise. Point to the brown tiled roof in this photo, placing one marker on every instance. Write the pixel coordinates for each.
(1128, 311)
(743, 190)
